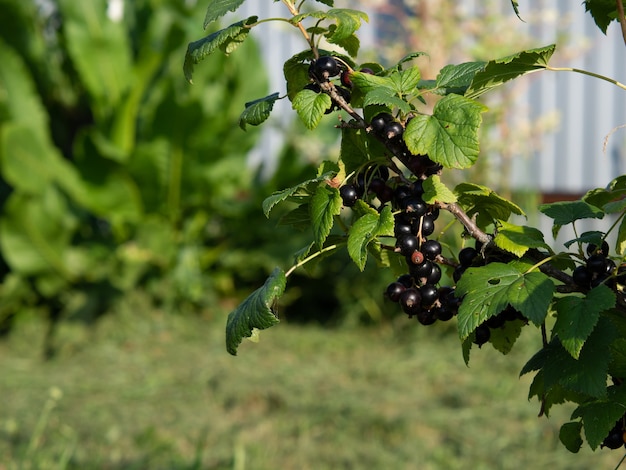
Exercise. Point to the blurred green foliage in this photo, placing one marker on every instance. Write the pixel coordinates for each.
(115, 172)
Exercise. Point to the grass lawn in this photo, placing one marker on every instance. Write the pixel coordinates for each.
(153, 391)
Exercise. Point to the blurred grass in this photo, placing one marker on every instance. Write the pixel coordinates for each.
(146, 390)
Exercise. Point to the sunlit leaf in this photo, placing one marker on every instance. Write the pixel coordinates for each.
(255, 312)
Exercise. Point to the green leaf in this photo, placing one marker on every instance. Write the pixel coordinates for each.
(280, 196)
(350, 44)
(311, 107)
(435, 190)
(386, 97)
(599, 416)
(218, 8)
(296, 72)
(365, 230)
(489, 289)
(499, 71)
(366, 82)
(588, 373)
(569, 435)
(617, 367)
(353, 151)
(407, 58)
(577, 317)
(457, 78)
(567, 212)
(406, 80)
(515, 6)
(255, 312)
(346, 22)
(324, 206)
(603, 12)
(485, 202)
(257, 111)
(450, 135)
(518, 239)
(200, 49)
(503, 338)
(299, 218)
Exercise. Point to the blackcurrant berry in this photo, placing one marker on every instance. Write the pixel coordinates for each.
(592, 249)
(394, 290)
(379, 122)
(458, 272)
(426, 226)
(431, 249)
(410, 301)
(325, 67)
(430, 294)
(417, 257)
(349, 195)
(406, 280)
(393, 130)
(402, 192)
(443, 313)
(402, 229)
(614, 440)
(377, 185)
(467, 256)
(423, 270)
(407, 245)
(496, 321)
(481, 334)
(597, 264)
(582, 276)
(435, 274)
(415, 205)
(345, 78)
(426, 317)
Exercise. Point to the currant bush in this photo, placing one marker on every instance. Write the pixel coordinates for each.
(383, 197)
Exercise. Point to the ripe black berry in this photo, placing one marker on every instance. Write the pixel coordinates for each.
(467, 256)
(415, 205)
(325, 67)
(410, 301)
(431, 249)
(582, 276)
(394, 290)
(379, 122)
(406, 280)
(481, 334)
(614, 440)
(401, 229)
(430, 294)
(425, 226)
(393, 130)
(407, 245)
(423, 270)
(597, 264)
(435, 274)
(349, 195)
(592, 249)
(426, 317)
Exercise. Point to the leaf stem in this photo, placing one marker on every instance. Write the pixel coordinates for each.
(294, 12)
(309, 258)
(586, 72)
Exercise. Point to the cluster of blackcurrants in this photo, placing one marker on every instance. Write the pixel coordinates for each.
(417, 292)
(617, 435)
(598, 268)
